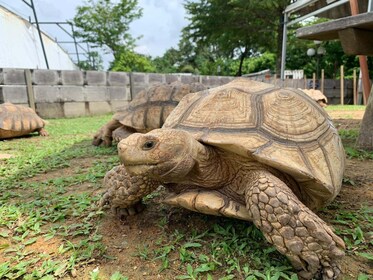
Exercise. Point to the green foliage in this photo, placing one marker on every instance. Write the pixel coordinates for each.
(129, 61)
(106, 24)
(236, 29)
(94, 62)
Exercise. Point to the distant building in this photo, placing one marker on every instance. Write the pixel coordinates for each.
(20, 46)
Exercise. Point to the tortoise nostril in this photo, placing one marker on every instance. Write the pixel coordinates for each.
(121, 147)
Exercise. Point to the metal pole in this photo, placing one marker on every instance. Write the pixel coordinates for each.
(284, 39)
(76, 46)
(40, 37)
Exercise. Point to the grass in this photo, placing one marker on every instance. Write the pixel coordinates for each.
(59, 213)
(345, 108)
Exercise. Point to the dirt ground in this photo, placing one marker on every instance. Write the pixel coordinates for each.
(124, 237)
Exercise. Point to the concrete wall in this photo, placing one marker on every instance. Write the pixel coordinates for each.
(70, 93)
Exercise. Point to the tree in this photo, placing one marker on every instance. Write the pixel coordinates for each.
(93, 62)
(365, 139)
(129, 61)
(106, 24)
(238, 28)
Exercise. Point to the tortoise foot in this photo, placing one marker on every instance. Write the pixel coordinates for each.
(121, 133)
(311, 246)
(124, 192)
(133, 210)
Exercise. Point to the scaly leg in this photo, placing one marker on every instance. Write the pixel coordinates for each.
(295, 230)
(124, 192)
(104, 135)
(121, 133)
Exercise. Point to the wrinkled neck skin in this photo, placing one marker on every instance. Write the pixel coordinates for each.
(231, 173)
(215, 168)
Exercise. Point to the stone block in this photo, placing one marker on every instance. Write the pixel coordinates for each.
(156, 78)
(47, 94)
(14, 77)
(99, 108)
(50, 110)
(188, 79)
(118, 105)
(136, 90)
(45, 77)
(95, 78)
(13, 94)
(169, 78)
(72, 77)
(139, 78)
(117, 78)
(118, 93)
(1, 76)
(225, 80)
(71, 93)
(96, 93)
(74, 109)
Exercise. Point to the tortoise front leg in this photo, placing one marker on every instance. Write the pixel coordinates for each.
(293, 229)
(104, 135)
(124, 192)
(42, 132)
(121, 133)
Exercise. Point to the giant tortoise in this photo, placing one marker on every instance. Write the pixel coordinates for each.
(245, 150)
(147, 111)
(18, 120)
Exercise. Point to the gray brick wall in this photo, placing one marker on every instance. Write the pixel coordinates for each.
(81, 93)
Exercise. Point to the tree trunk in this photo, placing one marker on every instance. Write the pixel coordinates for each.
(242, 58)
(365, 139)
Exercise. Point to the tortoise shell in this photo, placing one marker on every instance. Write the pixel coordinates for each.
(280, 127)
(150, 108)
(18, 120)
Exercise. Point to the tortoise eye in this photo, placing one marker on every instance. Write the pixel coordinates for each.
(148, 145)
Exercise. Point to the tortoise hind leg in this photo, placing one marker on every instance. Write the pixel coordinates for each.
(295, 230)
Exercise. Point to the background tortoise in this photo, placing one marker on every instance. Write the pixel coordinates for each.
(17, 120)
(147, 111)
(245, 150)
(317, 95)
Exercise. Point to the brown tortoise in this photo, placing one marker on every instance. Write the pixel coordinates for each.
(147, 111)
(246, 150)
(17, 120)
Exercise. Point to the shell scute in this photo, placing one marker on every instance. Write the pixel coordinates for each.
(18, 120)
(282, 128)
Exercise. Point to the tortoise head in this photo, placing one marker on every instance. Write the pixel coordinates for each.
(167, 155)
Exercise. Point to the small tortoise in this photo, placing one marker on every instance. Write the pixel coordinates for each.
(317, 95)
(246, 150)
(147, 111)
(17, 120)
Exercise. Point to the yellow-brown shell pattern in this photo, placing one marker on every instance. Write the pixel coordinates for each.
(18, 120)
(150, 108)
(280, 127)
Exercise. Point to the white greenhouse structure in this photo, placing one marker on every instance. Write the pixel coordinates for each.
(20, 45)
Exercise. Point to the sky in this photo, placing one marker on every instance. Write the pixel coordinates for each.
(160, 25)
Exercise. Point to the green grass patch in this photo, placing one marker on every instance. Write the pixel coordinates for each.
(48, 199)
(345, 108)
